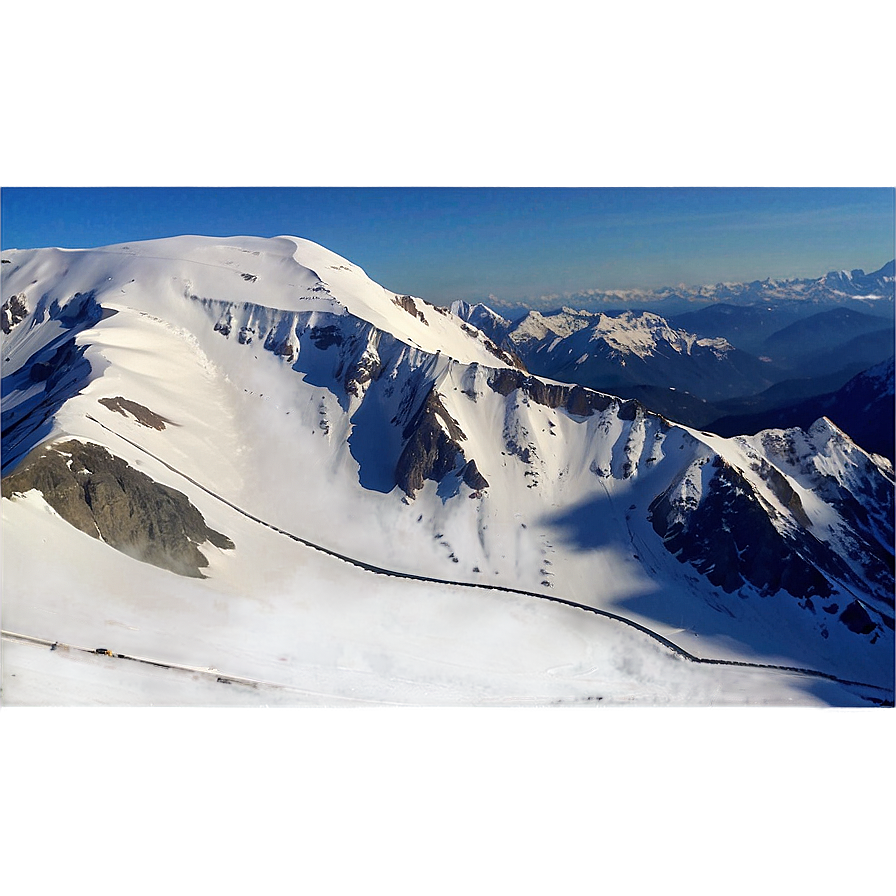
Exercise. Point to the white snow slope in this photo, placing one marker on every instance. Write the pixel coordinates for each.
(291, 386)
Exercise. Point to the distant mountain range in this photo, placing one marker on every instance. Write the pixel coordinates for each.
(863, 407)
(723, 366)
(851, 287)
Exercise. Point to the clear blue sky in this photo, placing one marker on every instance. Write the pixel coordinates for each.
(722, 141)
(514, 243)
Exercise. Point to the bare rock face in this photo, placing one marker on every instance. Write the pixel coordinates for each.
(576, 399)
(433, 449)
(473, 477)
(13, 312)
(408, 304)
(144, 416)
(857, 620)
(102, 495)
(729, 538)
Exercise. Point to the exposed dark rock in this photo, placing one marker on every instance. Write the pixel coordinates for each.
(432, 450)
(368, 367)
(729, 538)
(407, 302)
(583, 402)
(62, 359)
(224, 324)
(628, 410)
(324, 337)
(282, 345)
(855, 617)
(505, 355)
(577, 400)
(473, 478)
(783, 491)
(144, 416)
(102, 495)
(13, 312)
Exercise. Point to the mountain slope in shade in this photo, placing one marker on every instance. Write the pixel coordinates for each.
(294, 403)
(863, 407)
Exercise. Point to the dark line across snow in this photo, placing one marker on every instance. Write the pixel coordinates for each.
(379, 570)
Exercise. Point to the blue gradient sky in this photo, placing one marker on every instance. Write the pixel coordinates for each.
(513, 243)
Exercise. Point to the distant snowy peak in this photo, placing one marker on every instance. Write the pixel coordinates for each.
(483, 318)
(834, 287)
(878, 284)
(613, 351)
(536, 326)
(643, 333)
(636, 333)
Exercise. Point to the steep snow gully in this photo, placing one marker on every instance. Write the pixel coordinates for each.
(382, 571)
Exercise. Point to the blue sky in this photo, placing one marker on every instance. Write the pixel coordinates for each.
(513, 243)
(615, 94)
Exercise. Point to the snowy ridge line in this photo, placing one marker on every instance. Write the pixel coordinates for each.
(379, 570)
(220, 677)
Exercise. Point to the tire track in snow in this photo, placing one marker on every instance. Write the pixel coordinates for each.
(382, 571)
(207, 671)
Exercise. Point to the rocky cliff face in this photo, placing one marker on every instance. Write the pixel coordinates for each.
(103, 496)
(729, 537)
(433, 450)
(14, 311)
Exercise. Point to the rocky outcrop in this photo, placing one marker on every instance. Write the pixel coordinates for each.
(855, 617)
(473, 478)
(13, 312)
(433, 450)
(782, 490)
(575, 399)
(144, 416)
(324, 337)
(728, 537)
(408, 304)
(102, 495)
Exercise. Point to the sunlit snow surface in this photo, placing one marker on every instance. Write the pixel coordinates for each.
(278, 438)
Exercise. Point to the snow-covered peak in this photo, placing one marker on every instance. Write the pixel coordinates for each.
(644, 333)
(284, 273)
(881, 375)
(481, 316)
(629, 332)
(535, 326)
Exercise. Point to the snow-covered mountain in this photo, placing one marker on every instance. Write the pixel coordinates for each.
(619, 350)
(853, 288)
(247, 473)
